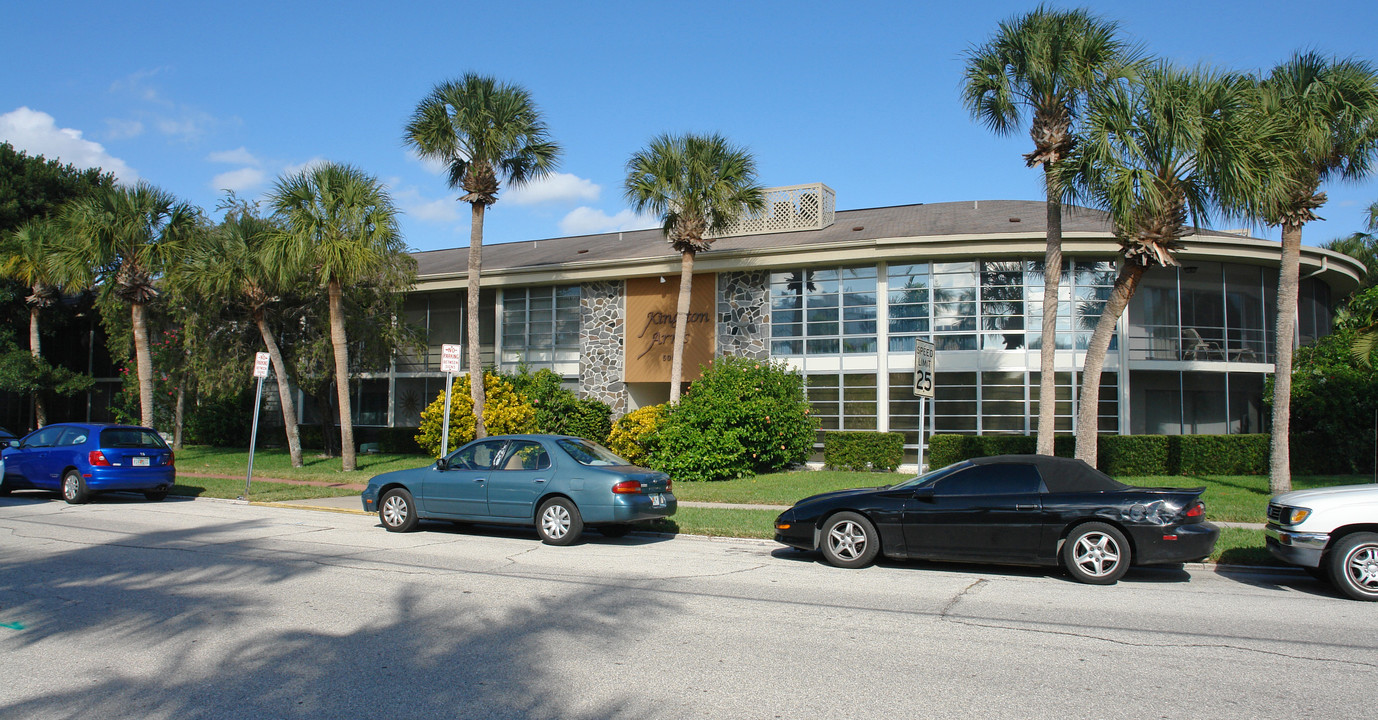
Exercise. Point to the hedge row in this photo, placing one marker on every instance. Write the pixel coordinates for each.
(863, 450)
(1129, 455)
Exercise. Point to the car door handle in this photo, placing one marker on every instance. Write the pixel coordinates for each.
(480, 479)
(1025, 507)
(540, 480)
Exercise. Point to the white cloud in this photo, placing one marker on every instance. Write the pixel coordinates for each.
(37, 133)
(238, 180)
(238, 156)
(117, 129)
(432, 166)
(291, 169)
(414, 204)
(554, 188)
(588, 221)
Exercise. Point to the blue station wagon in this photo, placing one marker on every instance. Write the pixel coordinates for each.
(558, 483)
(80, 459)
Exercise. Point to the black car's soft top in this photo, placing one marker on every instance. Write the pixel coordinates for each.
(1061, 475)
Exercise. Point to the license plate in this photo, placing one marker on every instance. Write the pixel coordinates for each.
(657, 500)
(140, 462)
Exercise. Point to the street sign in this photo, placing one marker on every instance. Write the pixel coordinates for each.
(261, 361)
(449, 358)
(924, 368)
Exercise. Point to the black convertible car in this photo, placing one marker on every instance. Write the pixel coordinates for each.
(1015, 509)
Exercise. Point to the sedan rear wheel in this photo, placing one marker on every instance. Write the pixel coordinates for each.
(74, 488)
(1354, 565)
(397, 511)
(558, 522)
(849, 540)
(1096, 553)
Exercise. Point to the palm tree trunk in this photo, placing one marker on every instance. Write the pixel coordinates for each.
(1280, 462)
(178, 412)
(686, 280)
(476, 389)
(143, 358)
(40, 410)
(1047, 354)
(1088, 410)
(289, 407)
(341, 344)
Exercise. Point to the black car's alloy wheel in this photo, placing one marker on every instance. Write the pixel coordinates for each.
(1096, 553)
(558, 522)
(397, 511)
(74, 488)
(849, 540)
(1354, 565)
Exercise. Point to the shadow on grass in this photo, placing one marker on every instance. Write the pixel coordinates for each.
(202, 636)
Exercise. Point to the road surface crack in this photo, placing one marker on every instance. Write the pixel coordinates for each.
(971, 589)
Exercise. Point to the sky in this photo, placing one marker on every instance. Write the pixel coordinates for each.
(863, 96)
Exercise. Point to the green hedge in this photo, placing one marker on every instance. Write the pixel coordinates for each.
(1130, 455)
(863, 450)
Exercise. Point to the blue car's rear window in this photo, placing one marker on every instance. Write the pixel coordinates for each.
(131, 438)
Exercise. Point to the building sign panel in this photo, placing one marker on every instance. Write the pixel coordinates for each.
(650, 339)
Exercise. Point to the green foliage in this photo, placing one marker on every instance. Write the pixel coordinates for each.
(504, 412)
(558, 410)
(21, 372)
(398, 440)
(743, 417)
(32, 187)
(863, 450)
(222, 422)
(1138, 455)
(1127, 455)
(632, 434)
(1334, 399)
(1221, 454)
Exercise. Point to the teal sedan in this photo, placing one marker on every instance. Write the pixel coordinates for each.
(559, 484)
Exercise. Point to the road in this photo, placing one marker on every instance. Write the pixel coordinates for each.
(216, 609)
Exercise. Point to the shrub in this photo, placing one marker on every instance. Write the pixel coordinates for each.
(632, 432)
(504, 411)
(863, 450)
(398, 440)
(1222, 454)
(225, 422)
(743, 417)
(1127, 455)
(558, 410)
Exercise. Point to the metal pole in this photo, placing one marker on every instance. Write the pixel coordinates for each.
(445, 424)
(923, 423)
(253, 439)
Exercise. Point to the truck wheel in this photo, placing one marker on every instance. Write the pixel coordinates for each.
(1354, 565)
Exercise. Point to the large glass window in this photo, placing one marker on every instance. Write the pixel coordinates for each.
(909, 305)
(1195, 403)
(842, 402)
(540, 325)
(823, 311)
(1002, 305)
(954, 305)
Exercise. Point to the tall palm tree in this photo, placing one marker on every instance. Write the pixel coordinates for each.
(123, 239)
(1043, 64)
(234, 263)
(698, 185)
(26, 256)
(1175, 146)
(339, 228)
(1331, 113)
(485, 132)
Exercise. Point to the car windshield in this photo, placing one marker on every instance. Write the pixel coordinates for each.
(932, 476)
(131, 438)
(588, 453)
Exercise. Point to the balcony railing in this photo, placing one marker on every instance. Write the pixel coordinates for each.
(787, 209)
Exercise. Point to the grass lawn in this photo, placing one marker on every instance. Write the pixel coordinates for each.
(277, 464)
(260, 490)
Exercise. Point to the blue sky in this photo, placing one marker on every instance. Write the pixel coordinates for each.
(863, 96)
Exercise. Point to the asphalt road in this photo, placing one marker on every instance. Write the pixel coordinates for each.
(214, 609)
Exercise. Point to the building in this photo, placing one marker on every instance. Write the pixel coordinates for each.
(841, 296)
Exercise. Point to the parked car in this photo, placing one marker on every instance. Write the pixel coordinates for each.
(558, 483)
(80, 459)
(1015, 509)
(1332, 533)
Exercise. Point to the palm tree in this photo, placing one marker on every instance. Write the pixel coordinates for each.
(698, 185)
(123, 239)
(1043, 64)
(233, 264)
(339, 228)
(27, 257)
(1174, 146)
(485, 132)
(1331, 113)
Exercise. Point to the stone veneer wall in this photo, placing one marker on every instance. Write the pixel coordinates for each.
(744, 314)
(602, 323)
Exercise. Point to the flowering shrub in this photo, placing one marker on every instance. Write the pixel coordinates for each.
(631, 433)
(558, 410)
(504, 411)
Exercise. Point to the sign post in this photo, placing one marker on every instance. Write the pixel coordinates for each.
(925, 370)
(261, 362)
(449, 364)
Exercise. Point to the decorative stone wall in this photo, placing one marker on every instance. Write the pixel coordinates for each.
(744, 314)
(602, 327)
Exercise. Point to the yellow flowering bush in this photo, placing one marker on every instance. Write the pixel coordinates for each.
(504, 411)
(630, 433)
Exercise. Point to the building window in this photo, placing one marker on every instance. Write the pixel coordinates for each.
(908, 305)
(1081, 296)
(823, 311)
(540, 326)
(1195, 403)
(954, 305)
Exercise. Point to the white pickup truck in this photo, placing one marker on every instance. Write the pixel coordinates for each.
(1332, 533)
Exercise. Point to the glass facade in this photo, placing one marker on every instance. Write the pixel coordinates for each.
(540, 326)
(823, 311)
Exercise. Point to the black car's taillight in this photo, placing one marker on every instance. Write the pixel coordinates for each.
(1197, 509)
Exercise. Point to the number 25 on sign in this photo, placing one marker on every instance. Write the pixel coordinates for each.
(923, 368)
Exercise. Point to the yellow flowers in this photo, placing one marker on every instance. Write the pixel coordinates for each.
(504, 411)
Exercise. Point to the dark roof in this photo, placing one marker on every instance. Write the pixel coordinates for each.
(983, 217)
(1061, 475)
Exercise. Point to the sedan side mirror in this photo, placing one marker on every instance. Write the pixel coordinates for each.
(442, 464)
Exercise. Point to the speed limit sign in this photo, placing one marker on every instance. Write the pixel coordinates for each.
(924, 368)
